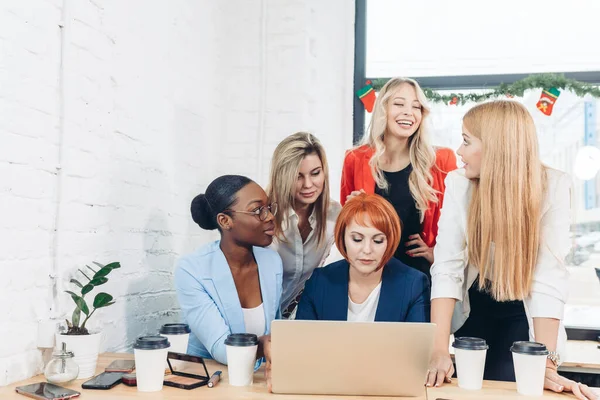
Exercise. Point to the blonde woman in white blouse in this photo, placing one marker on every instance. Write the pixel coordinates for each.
(503, 236)
(299, 184)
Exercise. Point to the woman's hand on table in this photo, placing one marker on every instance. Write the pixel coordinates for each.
(440, 369)
(557, 383)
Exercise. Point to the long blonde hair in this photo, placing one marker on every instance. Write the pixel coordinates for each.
(285, 167)
(506, 204)
(421, 153)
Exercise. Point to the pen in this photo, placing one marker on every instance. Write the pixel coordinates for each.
(214, 379)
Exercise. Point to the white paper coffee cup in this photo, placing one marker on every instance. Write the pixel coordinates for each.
(178, 335)
(150, 354)
(529, 359)
(469, 354)
(241, 356)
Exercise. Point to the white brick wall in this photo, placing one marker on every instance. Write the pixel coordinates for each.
(158, 99)
(29, 65)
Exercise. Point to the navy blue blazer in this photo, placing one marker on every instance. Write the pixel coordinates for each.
(404, 296)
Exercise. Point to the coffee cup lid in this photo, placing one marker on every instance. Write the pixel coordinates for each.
(532, 348)
(174, 329)
(241, 339)
(151, 343)
(469, 343)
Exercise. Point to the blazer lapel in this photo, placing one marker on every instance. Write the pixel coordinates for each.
(270, 283)
(391, 298)
(227, 293)
(336, 303)
(366, 180)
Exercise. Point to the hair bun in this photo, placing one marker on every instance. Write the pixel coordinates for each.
(201, 213)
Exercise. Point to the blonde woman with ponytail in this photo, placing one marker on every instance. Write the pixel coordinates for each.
(299, 184)
(397, 162)
(499, 270)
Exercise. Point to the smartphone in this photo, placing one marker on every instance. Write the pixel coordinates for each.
(121, 366)
(104, 381)
(46, 391)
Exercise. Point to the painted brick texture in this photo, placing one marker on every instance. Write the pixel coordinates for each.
(110, 125)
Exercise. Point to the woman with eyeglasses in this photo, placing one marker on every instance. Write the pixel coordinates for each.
(299, 183)
(232, 285)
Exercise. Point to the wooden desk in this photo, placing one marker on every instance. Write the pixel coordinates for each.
(491, 390)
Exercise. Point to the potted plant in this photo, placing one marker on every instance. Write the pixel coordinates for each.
(85, 345)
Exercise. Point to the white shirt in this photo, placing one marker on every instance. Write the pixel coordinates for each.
(452, 276)
(300, 259)
(254, 319)
(365, 311)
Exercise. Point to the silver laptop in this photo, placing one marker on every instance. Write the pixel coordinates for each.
(350, 358)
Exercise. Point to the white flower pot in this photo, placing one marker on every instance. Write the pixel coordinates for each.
(85, 348)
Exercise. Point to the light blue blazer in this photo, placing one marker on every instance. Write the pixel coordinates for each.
(209, 300)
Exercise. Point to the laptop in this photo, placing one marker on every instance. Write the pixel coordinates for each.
(350, 358)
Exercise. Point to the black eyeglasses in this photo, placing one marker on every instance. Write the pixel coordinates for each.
(262, 213)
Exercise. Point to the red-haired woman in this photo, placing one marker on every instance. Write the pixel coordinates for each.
(369, 284)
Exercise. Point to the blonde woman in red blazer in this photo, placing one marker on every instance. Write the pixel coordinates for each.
(397, 161)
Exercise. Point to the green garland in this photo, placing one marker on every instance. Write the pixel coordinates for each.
(541, 81)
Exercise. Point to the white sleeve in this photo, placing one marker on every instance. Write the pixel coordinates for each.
(450, 252)
(550, 280)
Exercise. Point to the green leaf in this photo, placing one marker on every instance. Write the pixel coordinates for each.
(76, 282)
(114, 265)
(87, 288)
(98, 281)
(103, 272)
(76, 316)
(80, 302)
(84, 307)
(102, 300)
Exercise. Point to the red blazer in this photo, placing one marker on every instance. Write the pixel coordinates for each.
(357, 175)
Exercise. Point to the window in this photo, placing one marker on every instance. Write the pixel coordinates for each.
(465, 51)
(473, 37)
